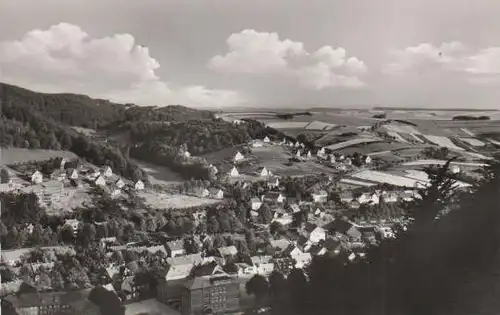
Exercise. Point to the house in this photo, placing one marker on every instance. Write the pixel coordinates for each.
(234, 172)
(203, 193)
(295, 208)
(139, 185)
(370, 198)
(317, 250)
(332, 159)
(216, 193)
(284, 265)
(228, 251)
(368, 159)
(262, 264)
(454, 169)
(297, 144)
(389, 197)
(283, 219)
(347, 161)
(263, 172)
(343, 227)
(309, 154)
(273, 197)
(93, 175)
(187, 154)
(280, 245)
(13, 257)
(320, 197)
(72, 173)
(266, 139)
(107, 171)
(315, 233)
(100, 181)
(238, 157)
(321, 152)
(301, 259)
(255, 204)
(58, 175)
(37, 177)
(107, 241)
(115, 192)
(176, 248)
(346, 196)
(75, 224)
(214, 169)
(257, 144)
(386, 231)
(119, 184)
(273, 182)
(297, 154)
(217, 294)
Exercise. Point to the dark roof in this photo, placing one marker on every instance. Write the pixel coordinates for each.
(338, 225)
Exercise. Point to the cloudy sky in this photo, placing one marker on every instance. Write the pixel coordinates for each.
(262, 53)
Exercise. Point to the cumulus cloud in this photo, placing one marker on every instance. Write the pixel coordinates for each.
(252, 52)
(478, 66)
(64, 58)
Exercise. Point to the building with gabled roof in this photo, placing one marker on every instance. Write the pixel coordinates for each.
(263, 172)
(238, 157)
(234, 172)
(266, 139)
(139, 185)
(216, 193)
(37, 177)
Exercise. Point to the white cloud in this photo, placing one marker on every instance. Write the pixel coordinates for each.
(478, 67)
(252, 52)
(64, 58)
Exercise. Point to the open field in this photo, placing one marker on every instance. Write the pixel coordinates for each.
(167, 201)
(18, 155)
(473, 142)
(319, 125)
(352, 142)
(442, 142)
(442, 162)
(275, 157)
(284, 124)
(71, 198)
(381, 177)
(159, 175)
(354, 182)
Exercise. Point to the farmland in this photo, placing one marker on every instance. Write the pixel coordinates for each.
(19, 155)
(159, 175)
(442, 142)
(352, 142)
(381, 177)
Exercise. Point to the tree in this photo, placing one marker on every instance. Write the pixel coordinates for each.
(258, 287)
(298, 289)
(265, 214)
(107, 301)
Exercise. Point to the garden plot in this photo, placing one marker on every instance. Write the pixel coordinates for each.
(160, 200)
(473, 142)
(401, 129)
(396, 136)
(442, 142)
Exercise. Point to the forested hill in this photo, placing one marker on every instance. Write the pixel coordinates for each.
(43, 121)
(84, 111)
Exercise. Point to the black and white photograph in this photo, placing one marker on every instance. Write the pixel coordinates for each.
(250, 157)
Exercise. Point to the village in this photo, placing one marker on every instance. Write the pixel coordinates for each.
(281, 228)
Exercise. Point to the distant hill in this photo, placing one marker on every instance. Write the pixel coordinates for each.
(84, 111)
(436, 109)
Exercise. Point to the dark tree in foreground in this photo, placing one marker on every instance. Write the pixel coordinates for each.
(258, 287)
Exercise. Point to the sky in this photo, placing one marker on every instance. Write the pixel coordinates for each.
(257, 53)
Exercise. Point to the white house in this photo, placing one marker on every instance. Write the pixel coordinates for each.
(267, 140)
(203, 193)
(107, 171)
(176, 248)
(368, 198)
(263, 172)
(347, 161)
(72, 173)
(321, 152)
(316, 233)
(309, 154)
(234, 172)
(368, 159)
(295, 208)
(255, 203)
(390, 197)
(115, 192)
(263, 264)
(297, 144)
(273, 197)
(257, 144)
(119, 184)
(139, 185)
(75, 224)
(298, 153)
(187, 154)
(37, 177)
(216, 193)
(99, 181)
(454, 169)
(93, 175)
(238, 157)
(332, 159)
(273, 182)
(214, 169)
(320, 197)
